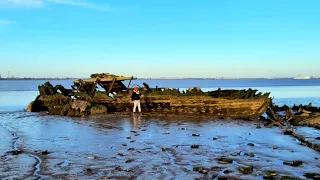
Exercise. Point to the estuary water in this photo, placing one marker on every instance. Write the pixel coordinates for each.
(142, 146)
(16, 94)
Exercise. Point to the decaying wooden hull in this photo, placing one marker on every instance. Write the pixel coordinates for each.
(219, 107)
(86, 100)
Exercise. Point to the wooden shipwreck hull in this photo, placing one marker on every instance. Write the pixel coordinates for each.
(219, 107)
(84, 99)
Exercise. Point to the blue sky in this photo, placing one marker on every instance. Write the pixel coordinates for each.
(207, 38)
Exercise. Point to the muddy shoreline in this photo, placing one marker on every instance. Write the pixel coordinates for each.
(133, 146)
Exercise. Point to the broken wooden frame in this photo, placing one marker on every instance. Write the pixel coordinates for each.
(109, 82)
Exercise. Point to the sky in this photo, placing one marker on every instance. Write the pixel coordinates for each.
(143, 38)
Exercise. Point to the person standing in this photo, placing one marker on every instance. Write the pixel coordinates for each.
(135, 97)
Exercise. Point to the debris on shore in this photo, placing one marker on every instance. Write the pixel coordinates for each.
(302, 115)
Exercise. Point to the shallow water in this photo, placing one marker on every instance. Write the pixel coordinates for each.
(104, 144)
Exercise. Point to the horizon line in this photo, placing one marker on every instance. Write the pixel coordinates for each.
(156, 78)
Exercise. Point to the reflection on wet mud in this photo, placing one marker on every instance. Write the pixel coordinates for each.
(136, 120)
(143, 146)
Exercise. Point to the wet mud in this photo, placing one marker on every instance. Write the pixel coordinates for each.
(133, 146)
(10, 164)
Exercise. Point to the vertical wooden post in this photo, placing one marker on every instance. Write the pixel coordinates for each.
(94, 87)
(111, 86)
(129, 84)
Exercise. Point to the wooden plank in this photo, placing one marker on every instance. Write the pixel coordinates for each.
(129, 83)
(120, 78)
(95, 85)
(110, 88)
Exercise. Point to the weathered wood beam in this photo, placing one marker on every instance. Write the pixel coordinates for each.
(110, 88)
(274, 120)
(274, 123)
(304, 141)
(129, 84)
(94, 86)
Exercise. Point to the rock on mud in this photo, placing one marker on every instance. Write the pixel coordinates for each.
(195, 146)
(201, 170)
(312, 175)
(288, 178)
(246, 169)
(271, 173)
(293, 163)
(227, 171)
(16, 152)
(89, 171)
(269, 177)
(249, 154)
(45, 153)
(225, 160)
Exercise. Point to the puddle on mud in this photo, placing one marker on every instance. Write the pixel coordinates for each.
(145, 146)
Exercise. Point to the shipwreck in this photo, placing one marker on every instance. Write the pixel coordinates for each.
(84, 98)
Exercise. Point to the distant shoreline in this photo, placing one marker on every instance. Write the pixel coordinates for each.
(164, 79)
(225, 79)
(38, 78)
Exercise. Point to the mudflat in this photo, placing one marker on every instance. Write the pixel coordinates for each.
(140, 146)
